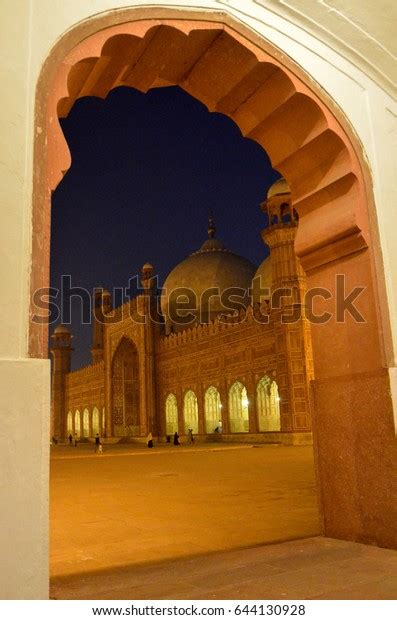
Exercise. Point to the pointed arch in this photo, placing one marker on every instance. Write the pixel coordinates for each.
(86, 423)
(190, 411)
(125, 389)
(212, 409)
(77, 422)
(69, 423)
(96, 428)
(268, 405)
(171, 414)
(238, 408)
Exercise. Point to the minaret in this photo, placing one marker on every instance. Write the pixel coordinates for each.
(146, 308)
(61, 354)
(292, 330)
(102, 307)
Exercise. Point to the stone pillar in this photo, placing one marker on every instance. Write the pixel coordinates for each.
(252, 412)
(61, 353)
(146, 308)
(223, 391)
(201, 409)
(181, 421)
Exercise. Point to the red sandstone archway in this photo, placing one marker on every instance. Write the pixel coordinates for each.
(124, 387)
(309, 142)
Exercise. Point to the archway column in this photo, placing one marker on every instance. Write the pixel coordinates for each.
(201, 409)
(224, 394)
(355, 445)
(252, 409)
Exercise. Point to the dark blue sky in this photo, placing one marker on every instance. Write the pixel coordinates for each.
(146, 171)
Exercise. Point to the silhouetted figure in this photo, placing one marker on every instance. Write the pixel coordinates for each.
(190, 438)
(168, 438)
(98, 446)
(70, 439)
(176, 439)
(150, 440)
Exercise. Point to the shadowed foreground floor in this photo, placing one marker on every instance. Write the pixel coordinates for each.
(314, 568)
(198, 523)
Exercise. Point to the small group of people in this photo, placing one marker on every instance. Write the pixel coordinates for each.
(176, 442)
(73, 441)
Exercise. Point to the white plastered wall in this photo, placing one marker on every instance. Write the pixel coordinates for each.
(29, 29)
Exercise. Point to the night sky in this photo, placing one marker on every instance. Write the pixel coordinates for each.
(146, 172)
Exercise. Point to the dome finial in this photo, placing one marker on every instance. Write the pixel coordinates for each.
(211, 227)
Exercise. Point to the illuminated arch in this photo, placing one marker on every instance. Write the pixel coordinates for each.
(77, 422)
(190, 411)
(268, 405)
(125, 389)
(238, 408)
(69, 423)
(171, 415)
(95, 422)
(86, 423)
(212, 409)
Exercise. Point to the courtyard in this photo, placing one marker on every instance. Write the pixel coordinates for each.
(133, 506)
(200, 522)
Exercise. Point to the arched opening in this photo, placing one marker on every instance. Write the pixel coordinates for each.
(238, 408)
(96, 427)
(77, 423)
(171, 415)
(268, 405)
(69, 424)
(86, 423)
(314, 149)
(125, 390)
(212, 409)
(190, 412)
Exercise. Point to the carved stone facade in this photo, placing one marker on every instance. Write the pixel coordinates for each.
(236, 376)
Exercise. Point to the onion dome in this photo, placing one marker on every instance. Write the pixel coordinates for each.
(189, 293)
(279, 187)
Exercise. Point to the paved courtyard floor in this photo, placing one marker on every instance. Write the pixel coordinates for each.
(198, 522)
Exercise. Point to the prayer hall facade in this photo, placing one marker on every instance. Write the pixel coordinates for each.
(226, 352)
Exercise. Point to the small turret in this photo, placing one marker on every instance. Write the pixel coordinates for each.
(147, 279)
(277, 206)
(280, 235)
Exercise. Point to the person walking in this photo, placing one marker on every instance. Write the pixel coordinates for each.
(98, 445)
(176, 439)
(150, 440)
(190, 438)
(70, 439)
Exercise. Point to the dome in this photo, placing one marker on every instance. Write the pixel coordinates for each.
(279, 187)
(61, 329)
(212, 266)
(264, 272)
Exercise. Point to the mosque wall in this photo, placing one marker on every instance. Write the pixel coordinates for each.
(85, 392)
(215, 355)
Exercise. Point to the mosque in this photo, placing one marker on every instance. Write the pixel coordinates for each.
(196, 360)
